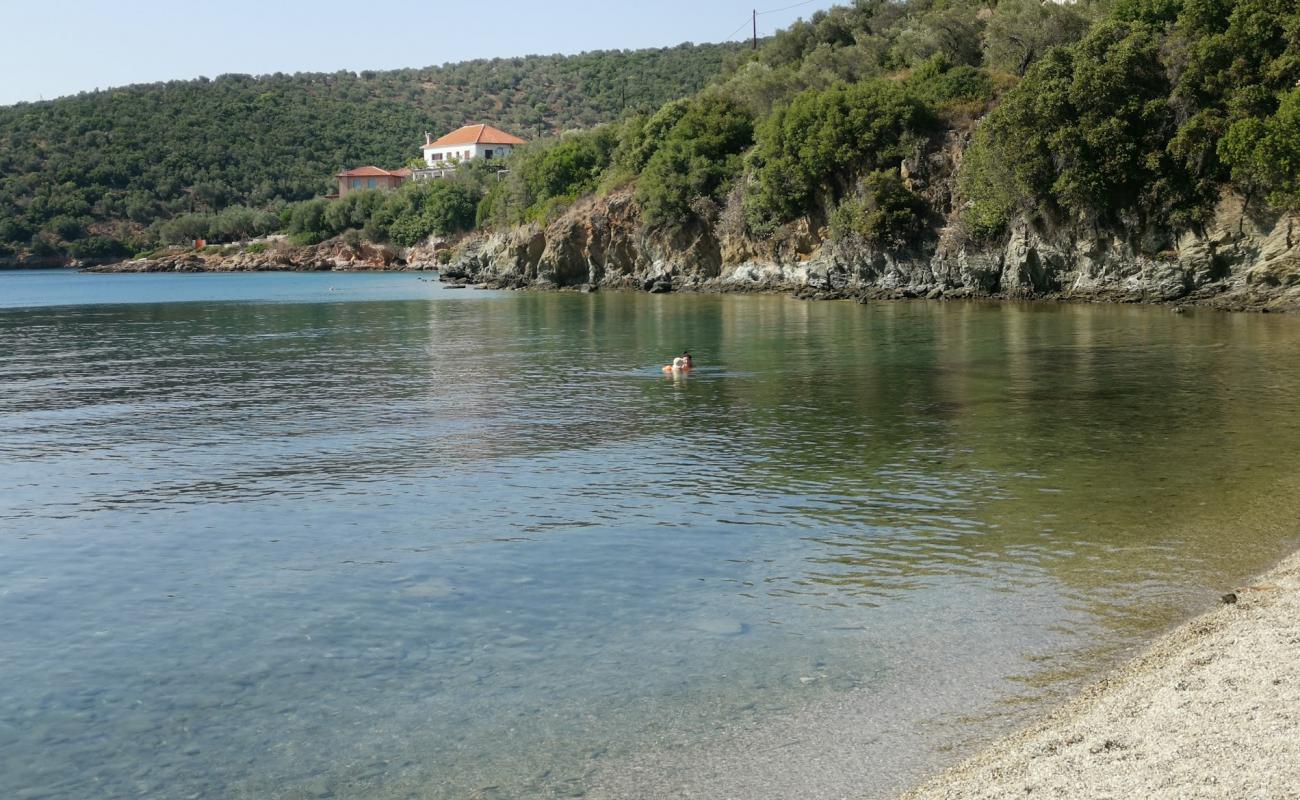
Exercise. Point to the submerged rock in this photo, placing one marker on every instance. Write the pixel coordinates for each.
(719, 626)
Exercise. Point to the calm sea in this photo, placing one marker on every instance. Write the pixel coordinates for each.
(362, 536)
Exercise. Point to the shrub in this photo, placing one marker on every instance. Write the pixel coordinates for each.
(815, 145)
(698, 157)
(642, 134)
(549, 173)
(1264, 154)
(1085, 131)
(184, 229)
(14, 231)
(305, 221)
(418, 210)
(988, 185)
(940, 84)
(886, 213)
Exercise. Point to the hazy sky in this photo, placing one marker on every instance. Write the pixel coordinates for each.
(58, 47)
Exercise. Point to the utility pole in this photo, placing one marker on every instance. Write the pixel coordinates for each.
(756, 29)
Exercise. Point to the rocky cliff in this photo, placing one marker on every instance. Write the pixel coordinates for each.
(1243, 259)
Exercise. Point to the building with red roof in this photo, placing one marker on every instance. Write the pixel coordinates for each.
(471, 141)
(371, 178)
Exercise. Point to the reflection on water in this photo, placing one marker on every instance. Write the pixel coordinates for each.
(452, 545)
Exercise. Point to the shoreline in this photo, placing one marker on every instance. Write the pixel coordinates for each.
(1210, 709)
(1230, 299)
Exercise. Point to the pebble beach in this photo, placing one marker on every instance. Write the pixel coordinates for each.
(1210, 710)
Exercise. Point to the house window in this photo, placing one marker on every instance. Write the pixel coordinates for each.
(467, 154)
(370, 184)
(356, 183)
(437, 156)
(487, 153)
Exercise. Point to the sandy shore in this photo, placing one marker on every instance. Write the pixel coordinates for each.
(1211, 710)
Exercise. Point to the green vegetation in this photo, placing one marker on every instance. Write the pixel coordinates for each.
(1264, 153)
(228, 224)
(548, 175)
(1148, 118)
(122, 163)
(1136, 114)
(816, 145)
(886, 213)
(695, 159)
(403, 217)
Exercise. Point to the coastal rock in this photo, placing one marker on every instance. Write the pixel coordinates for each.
(334, 255)
(1241, 259)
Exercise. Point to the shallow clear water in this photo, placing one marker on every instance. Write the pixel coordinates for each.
(364, 536)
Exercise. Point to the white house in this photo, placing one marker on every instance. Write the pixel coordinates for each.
(471, 141)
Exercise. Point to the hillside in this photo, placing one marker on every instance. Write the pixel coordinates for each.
(1135, 149)
(989, 146)
(1132, 113)
(92, 172)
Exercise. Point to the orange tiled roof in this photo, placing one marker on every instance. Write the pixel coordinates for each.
(475, 134)
(371, 172)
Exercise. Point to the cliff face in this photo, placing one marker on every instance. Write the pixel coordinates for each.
(1242, 259)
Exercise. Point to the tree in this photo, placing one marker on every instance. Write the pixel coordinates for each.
(1264, 154)
(1086, 131)
(143, 154)
(822, 140)
(1021, 31)
(697, 157)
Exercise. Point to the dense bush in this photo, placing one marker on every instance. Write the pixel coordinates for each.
(426, 208)
(698, 157)
(822, 139)
(1264, 154)
(1148, 118)
(959, 94)
(545, 176)
(1084, 131)
(229, 224)
(405, 217)
(885, 213)
(641, 134)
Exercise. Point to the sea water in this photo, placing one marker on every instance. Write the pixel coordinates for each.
(297, 535)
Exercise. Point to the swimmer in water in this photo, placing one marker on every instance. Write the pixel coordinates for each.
(680, 364)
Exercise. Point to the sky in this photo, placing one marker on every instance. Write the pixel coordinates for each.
(58, 47)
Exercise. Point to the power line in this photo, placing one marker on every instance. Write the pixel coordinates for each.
(737, 30)
(757, 14)
(786, 8)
